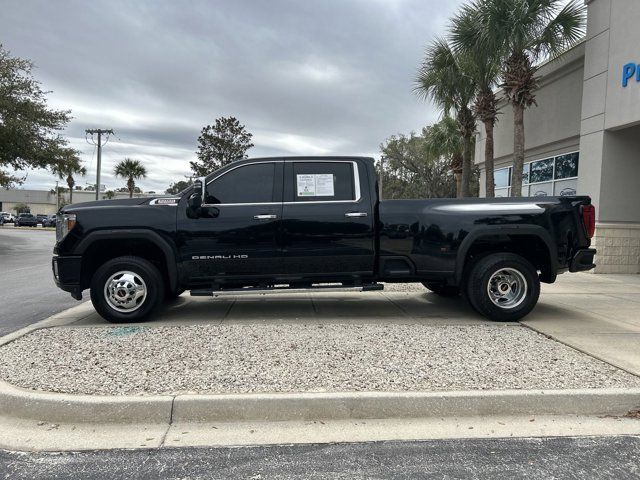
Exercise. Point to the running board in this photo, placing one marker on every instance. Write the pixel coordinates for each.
(370, 287)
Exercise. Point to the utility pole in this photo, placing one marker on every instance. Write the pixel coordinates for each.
(99, 132)
(381, 176)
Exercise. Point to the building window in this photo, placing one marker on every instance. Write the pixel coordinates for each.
(567, 165)
(548, 176)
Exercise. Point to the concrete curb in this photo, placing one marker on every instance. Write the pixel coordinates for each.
(381, 405)
(166, 409)
(63, 408)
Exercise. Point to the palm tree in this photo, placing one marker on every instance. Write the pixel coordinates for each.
(443, 139)
(524, 32)
(66, 169)
(443, 79)
(484, 68)
(131, 170)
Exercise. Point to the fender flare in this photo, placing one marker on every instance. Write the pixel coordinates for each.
(127, 234)
(511, 230)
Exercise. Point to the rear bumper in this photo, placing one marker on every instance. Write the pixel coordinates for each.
(66, 274)
(583, 260)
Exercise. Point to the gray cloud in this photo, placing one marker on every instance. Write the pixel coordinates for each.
(305, 77)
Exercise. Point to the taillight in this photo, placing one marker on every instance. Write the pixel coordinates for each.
(589, 219)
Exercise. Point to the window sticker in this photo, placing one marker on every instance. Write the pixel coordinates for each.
(315, 185)
(324, 185)
(306, 185)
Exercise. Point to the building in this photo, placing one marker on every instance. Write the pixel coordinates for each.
(44, 202)
(584, 136)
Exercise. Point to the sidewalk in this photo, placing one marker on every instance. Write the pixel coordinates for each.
(597, 314)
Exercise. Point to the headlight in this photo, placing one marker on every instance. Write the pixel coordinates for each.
(64, 224)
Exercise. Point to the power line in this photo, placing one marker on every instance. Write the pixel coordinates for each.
(99, 132)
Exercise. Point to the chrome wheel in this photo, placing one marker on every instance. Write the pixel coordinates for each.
(507, 288)
(125, 291)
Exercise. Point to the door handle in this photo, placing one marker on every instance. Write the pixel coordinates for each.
(356, 214)
(264, 217)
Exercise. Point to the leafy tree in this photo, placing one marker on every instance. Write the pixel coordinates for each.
(29, 129)
(411, 170)
(443, 139)
(443, 79)
(132, 170)
(61, 192)
(524, 32)
(483, 67)
(177, 187)
(109, 194)
(66, 169)
(221, 144)
(90, 188)
(21, 208)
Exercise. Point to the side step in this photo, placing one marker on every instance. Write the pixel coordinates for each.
(205, 292)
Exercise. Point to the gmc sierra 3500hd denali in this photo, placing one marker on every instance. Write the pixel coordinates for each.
(268, 224)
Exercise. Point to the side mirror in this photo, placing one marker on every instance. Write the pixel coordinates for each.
(195, 200)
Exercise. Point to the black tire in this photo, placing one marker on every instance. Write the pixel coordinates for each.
(140, 272)
(442, 290)
(511, 273)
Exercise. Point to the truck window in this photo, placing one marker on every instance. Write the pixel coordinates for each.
(323, 181)
(246, 184)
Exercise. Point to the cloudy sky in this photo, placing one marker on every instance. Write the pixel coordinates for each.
(307, 77)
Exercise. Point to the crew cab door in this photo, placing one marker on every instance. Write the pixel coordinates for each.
(327, 219)
(236, 233)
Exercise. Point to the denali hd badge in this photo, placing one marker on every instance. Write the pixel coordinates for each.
(218, 257)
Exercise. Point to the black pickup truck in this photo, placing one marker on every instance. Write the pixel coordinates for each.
(268, 224)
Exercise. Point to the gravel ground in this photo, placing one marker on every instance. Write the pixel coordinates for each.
(299, 358)
(404, 287)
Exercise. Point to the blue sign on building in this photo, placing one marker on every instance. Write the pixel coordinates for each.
(628, 72)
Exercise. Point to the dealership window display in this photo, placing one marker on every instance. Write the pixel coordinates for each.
(544, 177)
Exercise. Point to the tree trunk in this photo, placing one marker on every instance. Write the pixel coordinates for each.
(518, 150)
(466, 167)
(71, 183)
(488, 160)
(131, 185)
(458, 176)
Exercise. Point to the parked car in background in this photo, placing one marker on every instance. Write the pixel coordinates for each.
(40, 218)
(26, 220)
(7, 217)
(49, 221)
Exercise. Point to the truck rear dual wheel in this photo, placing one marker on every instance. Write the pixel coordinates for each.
(503, 287)
(127, 289)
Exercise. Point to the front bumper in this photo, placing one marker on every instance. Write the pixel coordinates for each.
(583, 260)
(67, 274)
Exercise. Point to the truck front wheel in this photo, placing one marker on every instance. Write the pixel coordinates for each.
(503, 287)
(126, 289)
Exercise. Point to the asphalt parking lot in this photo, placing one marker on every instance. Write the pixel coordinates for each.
(526, 458)
(26, 282)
